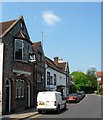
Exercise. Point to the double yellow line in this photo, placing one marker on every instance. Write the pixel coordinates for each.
(35, 116)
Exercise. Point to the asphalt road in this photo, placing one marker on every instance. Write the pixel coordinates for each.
(89, 107)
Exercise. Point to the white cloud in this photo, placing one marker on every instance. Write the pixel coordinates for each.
(50, 18)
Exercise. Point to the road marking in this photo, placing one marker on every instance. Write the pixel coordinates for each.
(35, 116)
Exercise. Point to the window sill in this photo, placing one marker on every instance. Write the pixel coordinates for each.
(21, 98)
(21, 61)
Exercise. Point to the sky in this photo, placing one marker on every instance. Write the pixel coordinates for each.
(69, 30)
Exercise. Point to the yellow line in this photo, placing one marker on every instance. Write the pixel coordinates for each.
(35, 116)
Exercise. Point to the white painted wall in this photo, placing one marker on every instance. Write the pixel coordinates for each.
(1, 73)
(61, 79)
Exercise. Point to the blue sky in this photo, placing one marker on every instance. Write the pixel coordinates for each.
(72, 30)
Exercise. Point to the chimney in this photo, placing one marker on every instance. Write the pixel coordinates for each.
(56, 60)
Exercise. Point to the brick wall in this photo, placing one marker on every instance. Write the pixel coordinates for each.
(9, 66)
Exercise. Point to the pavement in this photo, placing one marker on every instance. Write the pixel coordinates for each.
(20, 115)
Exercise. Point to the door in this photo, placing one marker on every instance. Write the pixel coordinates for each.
(50, 100)
(8, 96)
(28, 94)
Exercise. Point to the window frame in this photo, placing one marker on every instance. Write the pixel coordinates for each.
(15, 49)
(51, 80)
(48, 78)
(19, 88)
(39, 57)
(39, 75)
(26, 49)
(55, 79)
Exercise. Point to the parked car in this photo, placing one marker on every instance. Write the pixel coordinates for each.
(50, 101)
(81, 94)
(73, 98)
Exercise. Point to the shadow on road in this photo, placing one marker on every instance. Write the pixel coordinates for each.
(54, 112)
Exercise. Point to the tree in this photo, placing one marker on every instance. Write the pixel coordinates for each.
(80, 80)
(86, 82)
(92, 78)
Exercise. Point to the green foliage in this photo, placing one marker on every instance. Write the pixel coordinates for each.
(98, 88)
(86, 82)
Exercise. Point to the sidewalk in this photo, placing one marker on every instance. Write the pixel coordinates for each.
(21, 115)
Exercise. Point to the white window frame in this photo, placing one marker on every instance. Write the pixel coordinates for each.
(20, 88)
(15, 50)
(55, 79)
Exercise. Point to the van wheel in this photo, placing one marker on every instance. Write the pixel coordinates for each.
(39, 111)
(58, 109)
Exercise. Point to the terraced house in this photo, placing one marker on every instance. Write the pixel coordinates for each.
(24, 69)
(17, 67)
(57, 75)
(39, 66)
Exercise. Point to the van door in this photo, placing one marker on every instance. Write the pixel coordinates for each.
(50, 100)
(41, 100)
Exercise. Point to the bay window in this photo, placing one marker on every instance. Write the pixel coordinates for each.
(22, 49)
(18, 49)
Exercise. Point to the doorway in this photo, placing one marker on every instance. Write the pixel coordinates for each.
(28, 94)
(8, 96)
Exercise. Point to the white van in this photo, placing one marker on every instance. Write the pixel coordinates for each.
(50, 100)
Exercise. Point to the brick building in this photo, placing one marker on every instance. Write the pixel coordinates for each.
(39, 66)
(18, 76)
(100, 80)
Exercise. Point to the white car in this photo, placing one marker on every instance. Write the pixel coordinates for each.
(50, 101)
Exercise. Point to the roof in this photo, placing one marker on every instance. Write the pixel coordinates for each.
(99, 73)
(5, 25)
(51, 64)
(62, 66)
(36, 45)
(8, 25)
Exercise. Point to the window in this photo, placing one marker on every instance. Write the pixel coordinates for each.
(39, 77)
(22, 49)
(48, 78)
(54, 79)
(39, 57)
(25, 51)
(19, 88)
(51, 80)
(22, 26)
(18, 49)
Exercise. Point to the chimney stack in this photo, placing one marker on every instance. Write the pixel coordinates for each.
(56, 60)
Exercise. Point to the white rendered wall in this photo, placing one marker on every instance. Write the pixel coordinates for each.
(61, 79)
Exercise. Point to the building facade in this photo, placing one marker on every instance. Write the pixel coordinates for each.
(17, 78)
(56, 78)
(100, 80)
(39, 66)
(24, 69)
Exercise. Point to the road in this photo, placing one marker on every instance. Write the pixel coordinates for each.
(89, 107)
